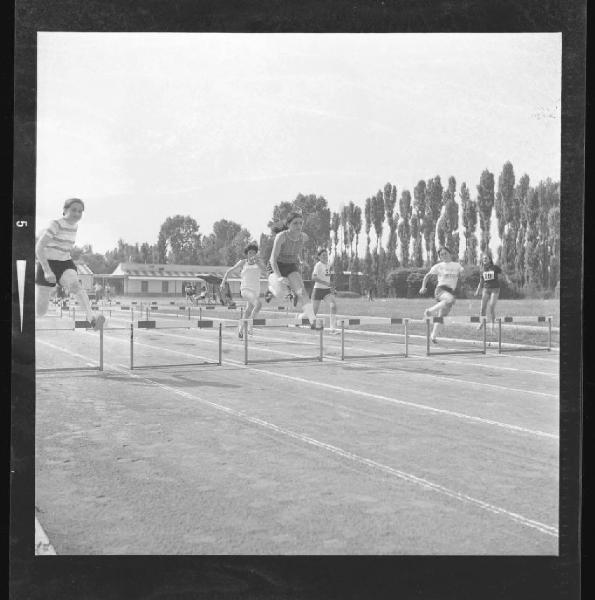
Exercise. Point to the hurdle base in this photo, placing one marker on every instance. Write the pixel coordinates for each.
(525, 349)
(276, 360)
(361, 356)
(65, 369)
(175, 365)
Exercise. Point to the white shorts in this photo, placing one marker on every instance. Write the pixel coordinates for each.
(278, 285)
(249, 295)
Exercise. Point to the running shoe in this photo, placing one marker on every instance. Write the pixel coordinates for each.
(268, 296)
(240, 334)
(433, 340)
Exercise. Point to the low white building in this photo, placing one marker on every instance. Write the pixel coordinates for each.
(138, 279)
(85, 276)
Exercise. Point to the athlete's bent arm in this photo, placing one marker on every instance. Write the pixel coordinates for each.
(238, 264)
(275, 254)
(41, 257)
(422, 290)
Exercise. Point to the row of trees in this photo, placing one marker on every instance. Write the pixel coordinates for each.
(518, 223)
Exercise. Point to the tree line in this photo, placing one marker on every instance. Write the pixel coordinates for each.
(401, 232)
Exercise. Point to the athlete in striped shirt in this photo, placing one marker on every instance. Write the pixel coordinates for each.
(252, 267)
(55, 263)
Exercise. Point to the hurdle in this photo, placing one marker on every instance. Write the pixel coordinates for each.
(269, 323)
(375, 321)
(520, 348)
(446, 320)
(153, 325)
(77, 325)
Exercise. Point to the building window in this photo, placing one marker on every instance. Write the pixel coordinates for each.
(165, 286)
(144, 286)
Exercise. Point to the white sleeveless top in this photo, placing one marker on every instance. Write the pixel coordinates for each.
(250, 277)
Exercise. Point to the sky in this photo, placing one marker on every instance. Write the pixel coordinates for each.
(143, 126)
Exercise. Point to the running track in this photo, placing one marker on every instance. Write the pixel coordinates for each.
(440, 455)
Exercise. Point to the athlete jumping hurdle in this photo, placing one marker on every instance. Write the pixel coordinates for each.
(55, 263)
(252, 266)
(448, 272)
(285, 263)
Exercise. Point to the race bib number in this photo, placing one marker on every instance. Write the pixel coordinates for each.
(488, 275)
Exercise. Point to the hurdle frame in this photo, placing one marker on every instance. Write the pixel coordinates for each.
(540, 319)
(77, 325)
(152, 325)
(358, 321)
(431, 320)
(262, 322)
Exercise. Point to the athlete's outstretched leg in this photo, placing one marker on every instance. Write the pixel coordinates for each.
(444, 310)
(333, 305)
(297, 285)
(492, 306)
(69, 281)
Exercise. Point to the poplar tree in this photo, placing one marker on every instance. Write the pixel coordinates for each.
(532, 258)
(418, 212)
(485, 203)
(368, 267)
(522, 191)
(390, 199)
(469, 208)
(404, 226)
(335, 222)
(507, 223)
(378, 216)
(432, 214)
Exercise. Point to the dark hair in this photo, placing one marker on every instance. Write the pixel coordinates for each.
(319, 251)
(70, 202)
(444, 248)
(489, 256)
(284, 225)
(251, 246)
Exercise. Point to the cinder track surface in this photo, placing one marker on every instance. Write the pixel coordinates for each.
(452, 454)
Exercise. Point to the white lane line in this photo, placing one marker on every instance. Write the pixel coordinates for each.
(408, 477)
(430, 375)
(43, 547)
(442, 411)
(416, 405)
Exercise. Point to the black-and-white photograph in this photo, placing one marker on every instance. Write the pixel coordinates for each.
(296, 294)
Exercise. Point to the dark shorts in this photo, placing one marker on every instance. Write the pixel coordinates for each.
(58, 267)
(286, 269)
(491, 288)
(444, 288)
(321, 293)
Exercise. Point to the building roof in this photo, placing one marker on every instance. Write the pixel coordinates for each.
(83, 269)
(141, 270)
